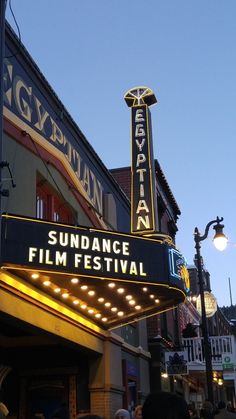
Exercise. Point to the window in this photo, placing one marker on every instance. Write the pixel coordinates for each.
(50, 206)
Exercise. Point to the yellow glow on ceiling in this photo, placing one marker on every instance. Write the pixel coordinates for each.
(108, 307)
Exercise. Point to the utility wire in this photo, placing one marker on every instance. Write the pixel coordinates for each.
(13, 15)
(18, 30)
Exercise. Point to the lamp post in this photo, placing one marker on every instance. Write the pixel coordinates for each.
(220, 242)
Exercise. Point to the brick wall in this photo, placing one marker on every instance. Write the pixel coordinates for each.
(106, 402)
(123, 178)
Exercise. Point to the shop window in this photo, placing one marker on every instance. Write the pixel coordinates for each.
(51, 207)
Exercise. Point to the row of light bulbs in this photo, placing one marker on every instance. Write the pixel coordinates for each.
(91, 293)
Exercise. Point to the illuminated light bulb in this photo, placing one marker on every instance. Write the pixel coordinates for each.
(145, 289)
(152, 296)
(157, 301)
(65, 295)
(98, 315)
(75, 302)
(164, 375)
(128, 297)
(74, 280)
(194, 298)
(120, 290)
(215, 379)
(220, 243)
(107, 304)
(35, 276)
(46, 283)
(137, 307)
(91, 311)
(57, 290)
(120, 313)
(220, 382)
(111, 285)
(101, 300)
(132, 302)
(91, 293)
(104, 319)
(220, 240)
(84, 287)
(114, 309)
(83, 306)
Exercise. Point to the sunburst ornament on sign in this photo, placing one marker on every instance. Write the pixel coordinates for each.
(139, 96)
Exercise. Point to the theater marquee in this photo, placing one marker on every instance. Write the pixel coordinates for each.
(113, 278)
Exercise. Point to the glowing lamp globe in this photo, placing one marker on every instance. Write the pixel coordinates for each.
(220, 240)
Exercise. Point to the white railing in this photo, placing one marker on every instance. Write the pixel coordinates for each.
(219, 344)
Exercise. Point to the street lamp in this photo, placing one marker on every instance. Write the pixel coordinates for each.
(220, 242)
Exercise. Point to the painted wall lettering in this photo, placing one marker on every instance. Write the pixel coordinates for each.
(26, 103)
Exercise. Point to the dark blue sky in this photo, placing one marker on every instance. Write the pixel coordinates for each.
(92, 52)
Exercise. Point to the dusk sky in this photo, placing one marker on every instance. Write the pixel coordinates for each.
(92, 52)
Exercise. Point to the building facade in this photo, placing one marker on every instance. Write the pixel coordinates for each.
(50, 352)
(73, 301)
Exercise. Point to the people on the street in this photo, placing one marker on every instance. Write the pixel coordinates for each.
(165, 405)
(122, 414)
(223, 413)
(207, 411)
(138, 412)
(192, 411)
(3, 410)
(230, 408)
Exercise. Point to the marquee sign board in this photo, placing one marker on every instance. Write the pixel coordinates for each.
(99, 253)
(96, 257)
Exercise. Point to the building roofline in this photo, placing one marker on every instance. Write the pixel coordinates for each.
(163, 178)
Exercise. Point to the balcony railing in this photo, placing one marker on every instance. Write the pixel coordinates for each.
(219, 345)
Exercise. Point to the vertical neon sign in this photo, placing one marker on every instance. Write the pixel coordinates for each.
(144, 219)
